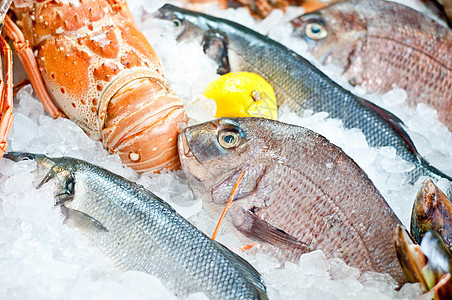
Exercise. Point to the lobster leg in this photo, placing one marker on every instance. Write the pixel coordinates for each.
(27, 58)
(6, 100)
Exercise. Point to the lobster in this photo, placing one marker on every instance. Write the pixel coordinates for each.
(87, 61)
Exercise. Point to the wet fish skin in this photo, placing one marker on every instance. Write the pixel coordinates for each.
(139, 231)
(299, 193)
(296, 82)
(380, 44)
(432, 210)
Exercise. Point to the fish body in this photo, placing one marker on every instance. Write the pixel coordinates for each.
(382, 44)
(296, 82)
(432, 210)
(299, 192)
(141, 232)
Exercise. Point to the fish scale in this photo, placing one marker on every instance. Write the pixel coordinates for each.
(379, 44)
(298, 84)
(308, 195)
(141, 232)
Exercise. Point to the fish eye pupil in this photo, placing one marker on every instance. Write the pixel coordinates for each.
(229, 139)
(315, 29)
(176, 21)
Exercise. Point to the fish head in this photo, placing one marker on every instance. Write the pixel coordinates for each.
(213, 155)
(332, 33)
(187, 24)
(432, 210)
(45, 165)
(190, 26)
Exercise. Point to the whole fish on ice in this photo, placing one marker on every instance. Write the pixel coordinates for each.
(297, 83)
(379, 44)
(299, 192)
(141, 232)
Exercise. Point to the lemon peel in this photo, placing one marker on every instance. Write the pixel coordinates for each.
(243, 94)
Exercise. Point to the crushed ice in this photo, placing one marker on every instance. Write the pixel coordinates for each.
(41, 258)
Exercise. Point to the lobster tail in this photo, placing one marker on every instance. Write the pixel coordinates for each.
(144, 131)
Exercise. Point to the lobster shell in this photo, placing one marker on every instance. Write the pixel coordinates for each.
(105, 76)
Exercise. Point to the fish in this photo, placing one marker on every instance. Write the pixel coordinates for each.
(382, 44)
(297, 83)
(300, 192)
(141, 232)
(432, 210)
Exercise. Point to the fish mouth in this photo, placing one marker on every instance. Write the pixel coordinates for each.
(184, 148)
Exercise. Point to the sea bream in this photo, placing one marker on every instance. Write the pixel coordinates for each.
(141, 232)
(296, 82)
(299, 192)
(382, 44)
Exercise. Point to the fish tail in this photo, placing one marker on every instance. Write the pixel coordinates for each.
(425, 168)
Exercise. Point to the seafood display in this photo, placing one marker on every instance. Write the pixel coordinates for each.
(432, 210)
(297, 83)
(142, 232)
(102, 73)
(300, 192)
(425, 255)
(337, 243)
(430, 263)
(379, 44)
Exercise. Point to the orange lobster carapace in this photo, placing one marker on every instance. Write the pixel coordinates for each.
(101, 73)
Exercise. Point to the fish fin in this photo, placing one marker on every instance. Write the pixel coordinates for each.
(254, 227)
(247, 270)
(155, 197)
(397, 125)
(82, 220)
(215, 46)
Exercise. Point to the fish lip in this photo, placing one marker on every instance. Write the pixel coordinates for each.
(183, 145)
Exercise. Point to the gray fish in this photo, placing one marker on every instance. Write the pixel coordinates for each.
(297, 83)
(382, 43)
(141, 232)
(299, 192)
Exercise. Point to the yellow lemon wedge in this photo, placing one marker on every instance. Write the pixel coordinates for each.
(243, 94)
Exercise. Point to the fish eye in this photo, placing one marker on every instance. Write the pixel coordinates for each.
(315, 31)
(176, 21)
(229, 139)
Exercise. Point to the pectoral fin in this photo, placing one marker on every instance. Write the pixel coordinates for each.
(82, 221)
(254, 227)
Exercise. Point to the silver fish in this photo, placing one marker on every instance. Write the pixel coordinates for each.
(141, 232)
(299, 192)
(297, 83)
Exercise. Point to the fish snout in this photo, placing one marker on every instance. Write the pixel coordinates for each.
(182, 145)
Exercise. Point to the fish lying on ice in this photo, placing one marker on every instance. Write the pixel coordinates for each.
(141, 232)
(296, 82)
(379, 44)
(299, 192)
